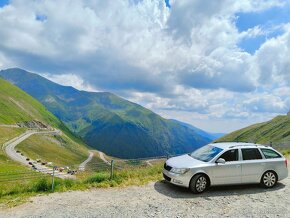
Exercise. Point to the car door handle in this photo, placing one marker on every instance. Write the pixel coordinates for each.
(238, 166)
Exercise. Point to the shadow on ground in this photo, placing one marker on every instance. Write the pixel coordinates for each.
(173, 191)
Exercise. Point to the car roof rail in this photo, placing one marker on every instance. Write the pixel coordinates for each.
(231, 142)
(253, 144)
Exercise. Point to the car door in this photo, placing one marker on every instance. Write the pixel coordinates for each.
(252, 165)
(230, 171)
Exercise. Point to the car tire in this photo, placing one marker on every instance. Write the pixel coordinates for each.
(198, 184)
(269, 179)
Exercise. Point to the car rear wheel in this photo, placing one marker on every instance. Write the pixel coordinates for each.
(269, 179)
(198, 183)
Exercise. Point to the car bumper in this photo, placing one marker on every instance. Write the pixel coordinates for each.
(282, 174)
(176, 179)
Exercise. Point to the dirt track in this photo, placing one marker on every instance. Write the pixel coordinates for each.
(161, 199)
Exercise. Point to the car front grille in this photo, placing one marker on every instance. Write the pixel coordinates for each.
(167, 167)
(166, 178)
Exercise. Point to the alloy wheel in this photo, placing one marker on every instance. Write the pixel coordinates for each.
(201, 184)
(269, 179)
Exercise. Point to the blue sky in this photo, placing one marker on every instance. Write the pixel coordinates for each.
(167, 3)
(4, 2)
(268, 20)
(219, 65)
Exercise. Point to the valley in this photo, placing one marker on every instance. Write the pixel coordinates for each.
(109, 123)
(144, 108)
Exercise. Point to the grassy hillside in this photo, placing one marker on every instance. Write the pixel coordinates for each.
(7, 164)
(9, 133)
(17, 106)
(8, 167)
(276, 130)
(107, 122)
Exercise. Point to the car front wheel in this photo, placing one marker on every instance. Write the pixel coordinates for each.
(269, 179)
(198, 183)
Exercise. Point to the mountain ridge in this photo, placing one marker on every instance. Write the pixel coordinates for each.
(209, 135)
(108, 122)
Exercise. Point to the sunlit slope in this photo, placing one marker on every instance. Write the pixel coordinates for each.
(17, 106)
(275, 130)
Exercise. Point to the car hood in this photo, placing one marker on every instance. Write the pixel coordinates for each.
(184, 161)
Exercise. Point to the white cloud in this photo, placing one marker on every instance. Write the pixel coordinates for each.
(273, 61)
(266, 103)
(177, 61)
(71, 80)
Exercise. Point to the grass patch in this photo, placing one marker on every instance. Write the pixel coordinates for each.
(98, 178)
(6, 164)
(16, 193)
(286, 152)
(9, 133)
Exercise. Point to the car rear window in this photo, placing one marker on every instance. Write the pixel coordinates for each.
(251, 154)
(268, 153)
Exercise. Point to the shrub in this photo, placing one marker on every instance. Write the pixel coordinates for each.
(42, 185)
(99, 177)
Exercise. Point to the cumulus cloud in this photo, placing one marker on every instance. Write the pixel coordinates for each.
(70, 80)
(266, 103)
(178, 60)
(272, 59)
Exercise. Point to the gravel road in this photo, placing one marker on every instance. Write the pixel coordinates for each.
(10, 146)
(82, 166)
(161, 199)
(102, 156)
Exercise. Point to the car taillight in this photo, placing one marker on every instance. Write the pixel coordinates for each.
(286, 163)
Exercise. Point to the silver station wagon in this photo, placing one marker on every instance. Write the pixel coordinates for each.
(226, 163)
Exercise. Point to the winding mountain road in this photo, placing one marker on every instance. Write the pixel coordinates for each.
(10, 126)
(9, 148)
(102, 156)
(82, 166)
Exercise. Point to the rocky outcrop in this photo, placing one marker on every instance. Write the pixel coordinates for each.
(33, 124)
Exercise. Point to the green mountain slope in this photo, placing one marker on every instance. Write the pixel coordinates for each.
(16, 106)
(107, 122)
(275, 130)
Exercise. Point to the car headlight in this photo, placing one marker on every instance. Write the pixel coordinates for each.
(179, 170)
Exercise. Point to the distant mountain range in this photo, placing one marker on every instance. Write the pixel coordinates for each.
(276, 130)
(109, 123)
(210, 136)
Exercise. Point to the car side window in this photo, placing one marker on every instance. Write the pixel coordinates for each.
(251, 154)
(231, 155)
(268, 153)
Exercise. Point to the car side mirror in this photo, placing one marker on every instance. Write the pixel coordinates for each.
(221, 161)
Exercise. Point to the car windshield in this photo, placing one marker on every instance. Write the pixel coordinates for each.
(206, 153)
